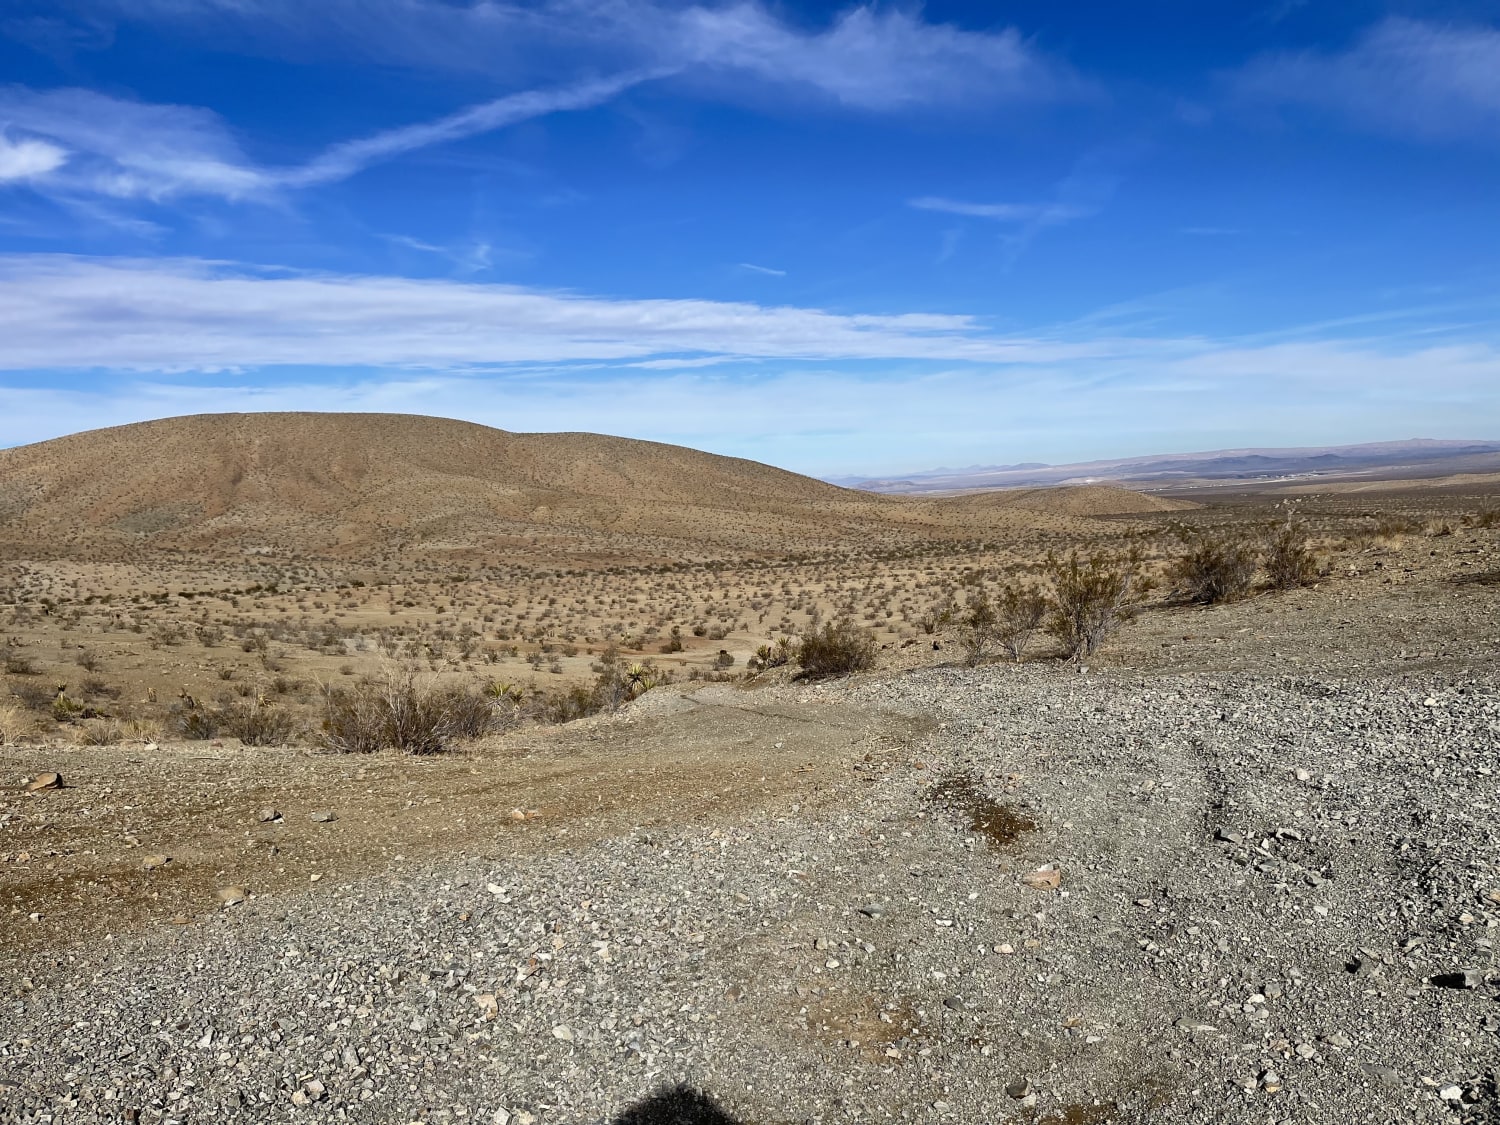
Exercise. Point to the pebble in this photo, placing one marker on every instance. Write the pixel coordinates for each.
(323, 817)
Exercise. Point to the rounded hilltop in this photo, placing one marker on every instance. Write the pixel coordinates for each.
(370, 485)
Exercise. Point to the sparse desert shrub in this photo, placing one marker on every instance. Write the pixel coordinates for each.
(1289, 561)
(1092, 598)
(977, 628)
(723, 660)
(18, 663)
(257, 723)
(1484, 517)
(1021, 611)
(16, 723)
(65, 710)
(100, 732)
(88, 660)
(33, 696)
(399, 710)
(836, 648)
(1216, 570)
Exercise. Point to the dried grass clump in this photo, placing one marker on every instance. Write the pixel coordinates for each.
(17, 723)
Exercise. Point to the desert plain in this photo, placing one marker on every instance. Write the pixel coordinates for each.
(1240, 864)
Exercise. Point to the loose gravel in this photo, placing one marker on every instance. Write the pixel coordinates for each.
(1271, 899)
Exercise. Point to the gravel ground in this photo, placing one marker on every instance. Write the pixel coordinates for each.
(1258, 899)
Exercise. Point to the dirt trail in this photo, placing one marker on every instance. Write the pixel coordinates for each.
(77, 856)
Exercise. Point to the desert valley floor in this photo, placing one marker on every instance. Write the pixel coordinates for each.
(1241, 865)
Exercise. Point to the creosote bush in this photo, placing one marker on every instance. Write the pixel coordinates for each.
(1021, 611)
(837, 648)
(253, 721)
(1217, 570)
(400, 710)
(1092, 597)
(1289, 561)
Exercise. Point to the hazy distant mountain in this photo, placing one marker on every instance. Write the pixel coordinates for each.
(1418, 456)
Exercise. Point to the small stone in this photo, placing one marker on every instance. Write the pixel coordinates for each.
(231, 896)
(45, 781)
(1459, 978)
(1005, 949)
(1020, 1088)
(1229, 835)
(268, 815)
(954, 1004)
(1044, 878)
(152, 862)
(564, 1032)
(351, 1056)
(1303, 775)
(1451, 1093)
(323, 817)
(872, 910)
(1270, 1082)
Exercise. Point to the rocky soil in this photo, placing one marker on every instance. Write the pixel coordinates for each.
(1013, 894)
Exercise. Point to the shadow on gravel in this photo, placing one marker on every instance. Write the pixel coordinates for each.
(676, 1105)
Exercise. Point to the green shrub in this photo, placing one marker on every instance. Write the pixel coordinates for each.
(1216, 570)
(399, 710)
(1289, 561)
(837, 648)
(1092, 598)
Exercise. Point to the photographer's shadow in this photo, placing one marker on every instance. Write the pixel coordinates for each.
(676, 1105)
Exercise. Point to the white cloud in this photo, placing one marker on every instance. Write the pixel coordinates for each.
(58, 311)
(1403, 75)
(840, 421)
(129, 149)
(868, 56)
(28, 158)
(1045, 214)
(767, 270)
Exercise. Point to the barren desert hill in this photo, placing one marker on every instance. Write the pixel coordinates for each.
(362, 485)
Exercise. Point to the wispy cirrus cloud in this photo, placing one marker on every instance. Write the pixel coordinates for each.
(1047, 214)
(1404, 76)
(871, 59)
(60, 312)
(870, 56)
(85, 142)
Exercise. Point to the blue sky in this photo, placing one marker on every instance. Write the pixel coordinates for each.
(843, 239)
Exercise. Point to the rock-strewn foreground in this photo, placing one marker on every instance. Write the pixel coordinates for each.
(1277, 900)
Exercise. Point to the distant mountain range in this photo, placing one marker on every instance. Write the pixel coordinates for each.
(1374, 460)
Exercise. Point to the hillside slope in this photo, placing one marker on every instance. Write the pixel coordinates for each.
(374, 485)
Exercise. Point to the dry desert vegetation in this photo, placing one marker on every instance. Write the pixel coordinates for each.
(382, 768)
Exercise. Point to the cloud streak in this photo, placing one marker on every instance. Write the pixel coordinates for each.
(127, 149)
(60, 312)
(1401, 76)
(1045, 214)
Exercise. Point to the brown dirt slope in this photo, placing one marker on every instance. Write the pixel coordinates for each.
(367, 485)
